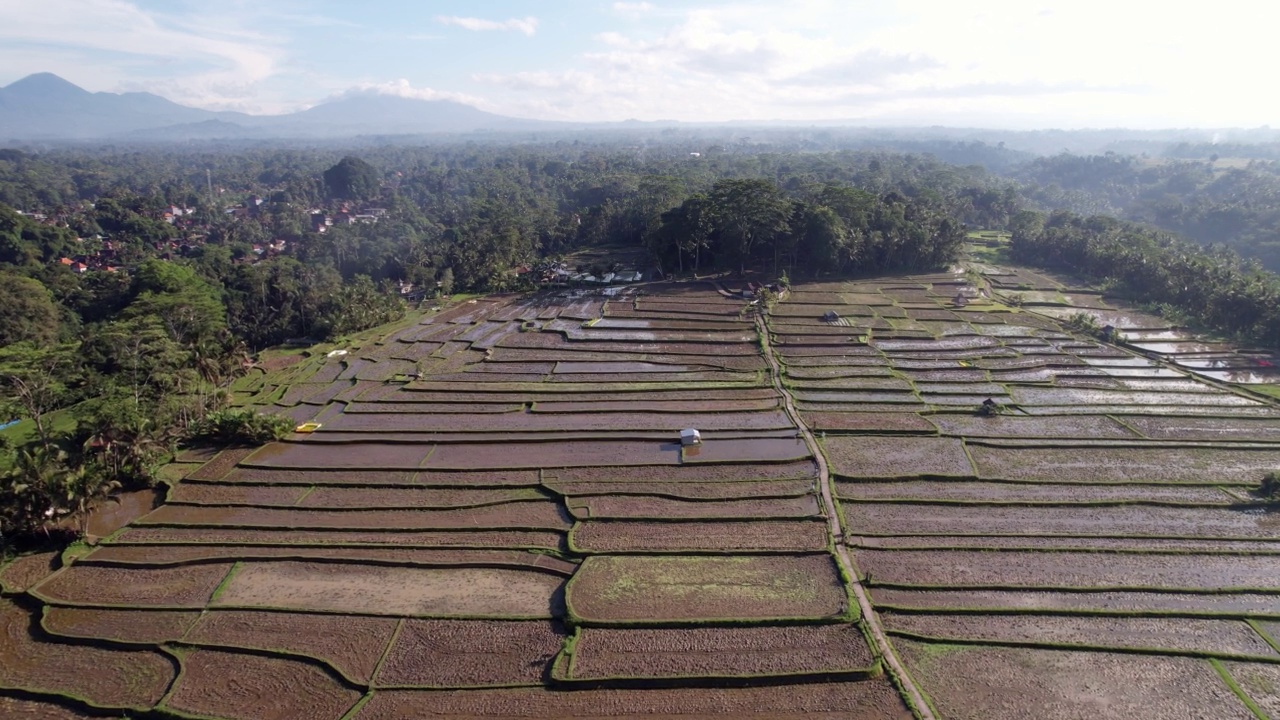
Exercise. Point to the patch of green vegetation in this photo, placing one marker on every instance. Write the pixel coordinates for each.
(226, 582)
(175, 472)
(355, 709)
(989, 254)
(24, 431)
(241, 426)
(250, 382)
(1269, 488)
(1239, 691)
(268, 394)
(930, 651)
(997, 235)
(1266, 637)
(1270, 390)
(991, 307)
(75, 550)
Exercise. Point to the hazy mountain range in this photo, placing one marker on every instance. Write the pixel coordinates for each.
(46, 107)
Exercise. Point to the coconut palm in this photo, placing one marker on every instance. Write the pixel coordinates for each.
(82, 488)
(32, 490)
(124, 446)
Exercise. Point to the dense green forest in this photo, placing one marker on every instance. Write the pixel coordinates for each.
(1214, 202)
(1216, 289)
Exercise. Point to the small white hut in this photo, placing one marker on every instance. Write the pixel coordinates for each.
(690, 436)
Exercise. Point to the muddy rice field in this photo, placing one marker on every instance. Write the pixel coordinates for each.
(496, 517)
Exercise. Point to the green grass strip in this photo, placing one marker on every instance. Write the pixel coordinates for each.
(1085, 647)
(1239, 691)
(386, 653)
(355, 709)
(1263, 634)
(853, 612)
(304, 495)
(1162, 589)
(179, 653)
(226, 582)
(1076, 612)
(902, 693)
(74, 551)
(787, 679)
(907, 500)
(1059, 536)
(562, 665)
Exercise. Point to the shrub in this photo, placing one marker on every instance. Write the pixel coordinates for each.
(241, 426)
(1270, 487)
(1085, 323)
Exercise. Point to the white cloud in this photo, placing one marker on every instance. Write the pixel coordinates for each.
(527, 25)
(1010, 63)
(210, 61)
(869, 67)
(633, 9)
(542, 81)
(403, 88)
(1013, 63)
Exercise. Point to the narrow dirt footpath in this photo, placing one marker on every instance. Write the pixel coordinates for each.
(896, 670)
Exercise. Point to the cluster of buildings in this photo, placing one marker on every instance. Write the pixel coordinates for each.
(82, 264)
(322, 220)
(174, 214)
(103, 254)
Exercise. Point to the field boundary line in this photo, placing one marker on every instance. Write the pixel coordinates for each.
(1262, 633)
(1084, 647)
(920, 708)
(386, 653)
(1235, 688)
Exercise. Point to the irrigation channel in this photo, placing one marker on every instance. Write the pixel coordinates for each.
(895, 669)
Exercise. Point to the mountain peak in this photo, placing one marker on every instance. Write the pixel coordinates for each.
(45, 106)
(43, 84)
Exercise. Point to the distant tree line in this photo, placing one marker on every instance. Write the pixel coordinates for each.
(1215, 288)
(836, 230)
(1216, 203)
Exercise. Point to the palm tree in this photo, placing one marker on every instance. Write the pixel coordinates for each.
(127, 446)
(33, 487)
(82, 489)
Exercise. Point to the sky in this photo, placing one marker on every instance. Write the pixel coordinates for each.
(1015, 64)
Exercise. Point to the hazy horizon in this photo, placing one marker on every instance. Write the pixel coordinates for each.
(1000, 65)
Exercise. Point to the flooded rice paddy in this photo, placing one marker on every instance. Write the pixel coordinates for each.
(498, 505)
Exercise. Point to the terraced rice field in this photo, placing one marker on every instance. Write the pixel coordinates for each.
(496, 518)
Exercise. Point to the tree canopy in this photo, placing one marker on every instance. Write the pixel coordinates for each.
(352, 179)
(30, 315)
